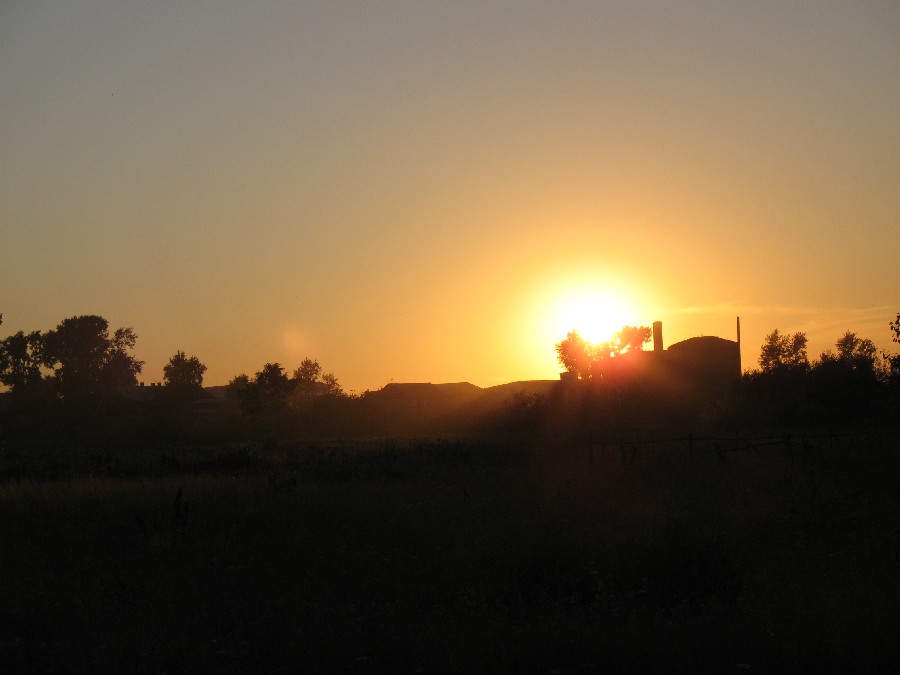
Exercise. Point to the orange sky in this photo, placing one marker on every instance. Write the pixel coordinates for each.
(410, 192)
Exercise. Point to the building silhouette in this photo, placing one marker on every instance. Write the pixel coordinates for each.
(702, 364)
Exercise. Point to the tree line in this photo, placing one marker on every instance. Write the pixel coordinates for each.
(78, 383)
(847, 382)
(82, 357)
(850, 381)
(780, 353)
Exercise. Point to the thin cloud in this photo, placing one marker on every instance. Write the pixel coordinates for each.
(726, 308)
(886, 312)
(866, 320)
(823, 325)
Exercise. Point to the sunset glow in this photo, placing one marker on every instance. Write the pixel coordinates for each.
(307, 271)
(442, 195)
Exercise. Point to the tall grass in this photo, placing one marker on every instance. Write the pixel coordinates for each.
(446, 555)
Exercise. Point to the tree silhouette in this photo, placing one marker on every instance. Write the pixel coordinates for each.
(576, 355)
(273, 380)
(783, 352)
(237, 385)
(584, 358)
(309, 381)
(632, 338)
(87, 360)
(272, 391)
(21, 360)
(308, 372)
(184, 373)
(853, 351)
(331, 386)
(892, 361)
(268, 390)
(845, 382)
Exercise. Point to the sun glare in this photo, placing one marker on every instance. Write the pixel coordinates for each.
(571, 298)
(596, 315)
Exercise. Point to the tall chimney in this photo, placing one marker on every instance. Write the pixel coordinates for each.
(739, 331)
(657, 336)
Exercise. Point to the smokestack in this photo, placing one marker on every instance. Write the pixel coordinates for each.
(657, 336)
(739, 331)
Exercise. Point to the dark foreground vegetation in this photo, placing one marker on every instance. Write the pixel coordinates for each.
(557, 528)
(503, 554)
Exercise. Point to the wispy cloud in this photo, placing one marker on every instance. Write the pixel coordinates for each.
(856, 320)
(882, 311)
(826, 322)
(726, 308)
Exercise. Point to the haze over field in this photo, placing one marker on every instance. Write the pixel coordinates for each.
(416, 191)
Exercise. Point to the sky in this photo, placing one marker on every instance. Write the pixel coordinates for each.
(423, 191)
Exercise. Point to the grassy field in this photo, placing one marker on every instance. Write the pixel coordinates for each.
(507, 554)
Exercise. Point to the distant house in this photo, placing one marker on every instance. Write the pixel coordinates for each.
(706, 359)
(422, 395)
(700, 363)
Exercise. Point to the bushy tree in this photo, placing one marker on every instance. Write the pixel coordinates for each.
(271, 389)
(21, 359)
(308, 372)
(273, 380)
(783, 352)
(632, 338)
(309, 380)
(87, 359)
(845, 382)
(184, 373)
(237, 385)
(268, 390)
(853, 352)
(576, 355)
(892, 361)
(331, 386)
(584, 358)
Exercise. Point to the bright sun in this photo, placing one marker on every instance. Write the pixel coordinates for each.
(596, 315)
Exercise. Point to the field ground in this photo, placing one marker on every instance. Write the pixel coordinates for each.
(491, 554)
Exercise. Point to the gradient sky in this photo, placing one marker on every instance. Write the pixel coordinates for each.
(411, 191)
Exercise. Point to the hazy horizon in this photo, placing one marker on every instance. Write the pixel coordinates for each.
(412, 192)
